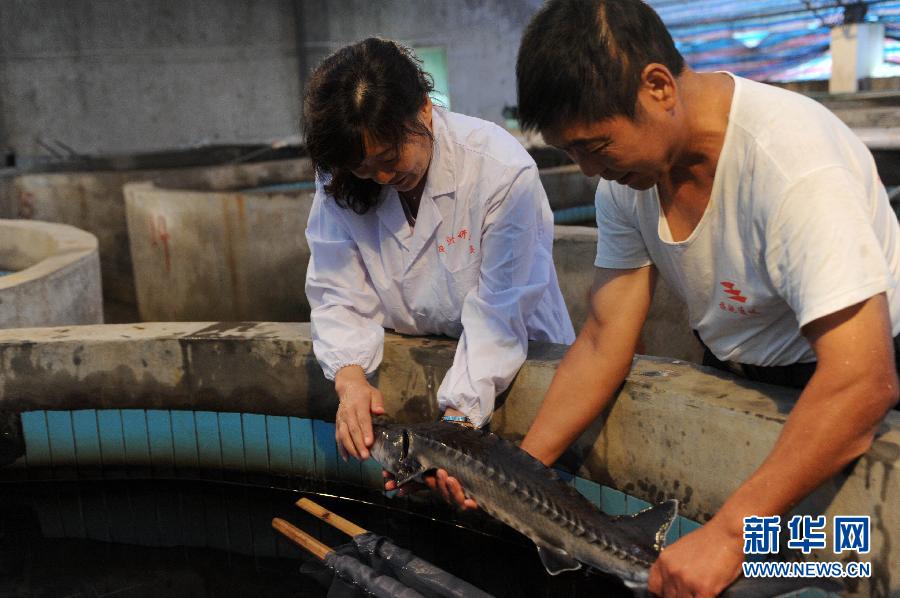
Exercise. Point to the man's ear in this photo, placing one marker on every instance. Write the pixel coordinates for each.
(659, 86)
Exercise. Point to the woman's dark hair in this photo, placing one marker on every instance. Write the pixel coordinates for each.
(580, 61)
(373, 87)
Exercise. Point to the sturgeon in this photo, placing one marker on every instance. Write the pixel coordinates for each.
(514, 487)
(568, 530)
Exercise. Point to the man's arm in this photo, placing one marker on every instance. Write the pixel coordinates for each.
(833, 422)
(595, 365)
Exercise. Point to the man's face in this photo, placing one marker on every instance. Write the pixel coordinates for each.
(630, 152)
(403, 166)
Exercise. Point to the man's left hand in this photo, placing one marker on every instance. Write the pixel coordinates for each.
(440, 483)
(700, 564)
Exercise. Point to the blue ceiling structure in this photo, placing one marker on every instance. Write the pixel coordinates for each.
(773, 40)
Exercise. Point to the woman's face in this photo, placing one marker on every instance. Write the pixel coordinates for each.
(403, 166)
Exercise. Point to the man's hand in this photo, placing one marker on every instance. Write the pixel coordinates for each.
(359, 400)
(676, 571)
(832, 423)
(439, 482)
(450, 489)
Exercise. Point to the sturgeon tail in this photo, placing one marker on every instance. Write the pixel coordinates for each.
(654, 522)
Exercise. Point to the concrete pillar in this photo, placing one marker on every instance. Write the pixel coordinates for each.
(856, 50)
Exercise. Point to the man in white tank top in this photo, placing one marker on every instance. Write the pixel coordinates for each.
(760, 208)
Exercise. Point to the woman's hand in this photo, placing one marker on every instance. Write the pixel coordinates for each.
(359, 400)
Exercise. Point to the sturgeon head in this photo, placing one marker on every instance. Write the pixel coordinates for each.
(567, 529)
(391, 449)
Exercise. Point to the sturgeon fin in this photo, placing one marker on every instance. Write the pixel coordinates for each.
(556, 560)
(654, 523)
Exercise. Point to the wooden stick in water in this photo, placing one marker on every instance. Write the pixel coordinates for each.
(327, 516)
(301, 538)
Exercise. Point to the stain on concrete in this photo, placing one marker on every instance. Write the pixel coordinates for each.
(656, 373)
(211, 377)
(880, 582)
(416, 410)
(228, 330)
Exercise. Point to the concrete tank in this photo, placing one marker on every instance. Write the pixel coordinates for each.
(567, 187)
(87, 193)
(666, 332)
(674, 430)
(226, 255)
(196, 258)
(55, 278)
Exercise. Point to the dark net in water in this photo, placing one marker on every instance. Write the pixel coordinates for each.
(129, 538)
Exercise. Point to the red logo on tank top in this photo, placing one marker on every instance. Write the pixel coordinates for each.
(735, 295)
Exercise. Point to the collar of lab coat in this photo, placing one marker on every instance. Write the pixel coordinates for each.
(441, 182)
(442, 172)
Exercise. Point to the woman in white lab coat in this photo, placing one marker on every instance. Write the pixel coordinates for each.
(424, 222)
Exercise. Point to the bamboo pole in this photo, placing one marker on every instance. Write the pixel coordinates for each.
(327, 516)
(301, 538)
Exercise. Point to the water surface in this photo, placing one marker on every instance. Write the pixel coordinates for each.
(130, 538)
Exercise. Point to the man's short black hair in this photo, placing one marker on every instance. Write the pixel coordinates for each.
(581, 61)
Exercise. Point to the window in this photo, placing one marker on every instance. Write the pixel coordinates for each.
(434, 61)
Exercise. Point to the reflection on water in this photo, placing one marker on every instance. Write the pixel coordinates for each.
(132, 538)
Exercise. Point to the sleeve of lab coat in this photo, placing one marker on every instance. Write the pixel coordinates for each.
(516, 246)
(347, 315)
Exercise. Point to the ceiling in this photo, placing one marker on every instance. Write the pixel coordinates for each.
(778, 40)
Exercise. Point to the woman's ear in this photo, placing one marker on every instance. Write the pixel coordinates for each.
(425, 112)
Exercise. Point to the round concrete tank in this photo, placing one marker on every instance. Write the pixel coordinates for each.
(666, 332)
(55, 275)
(219, 255)
(87, 193)
(248, 403)
(567, 187)
(563, 181)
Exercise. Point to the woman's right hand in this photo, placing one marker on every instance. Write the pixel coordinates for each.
(358, 401)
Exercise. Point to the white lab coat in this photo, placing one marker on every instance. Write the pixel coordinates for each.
(477, 266)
